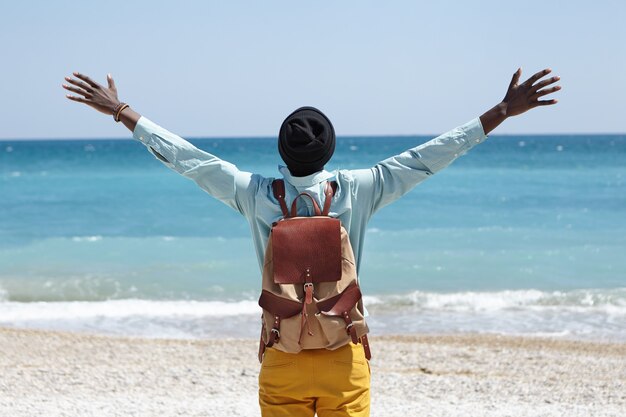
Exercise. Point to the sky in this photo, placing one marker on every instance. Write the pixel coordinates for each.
(238, 68)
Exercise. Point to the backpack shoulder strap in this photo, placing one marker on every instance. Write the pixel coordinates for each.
(278, 187)
(329, 192)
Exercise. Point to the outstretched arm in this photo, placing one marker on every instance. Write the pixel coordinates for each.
(217, 177)
(392, 178)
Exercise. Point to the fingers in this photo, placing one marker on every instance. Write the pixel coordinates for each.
(515, 78)
(76, 90)
(79, 99)
(538, 75)
(544, 92)
(543, 103)
(544, 83)
(88, 80)
(80, 84)
(111, 82)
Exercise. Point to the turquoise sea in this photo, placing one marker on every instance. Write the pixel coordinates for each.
(522, 235)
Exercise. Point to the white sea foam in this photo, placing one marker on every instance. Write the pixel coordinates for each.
(169, 319)
(70, 310)
(583, 314)
(592, 314)
(608, 301)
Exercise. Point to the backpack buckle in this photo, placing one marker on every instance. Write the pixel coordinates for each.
(308, 293)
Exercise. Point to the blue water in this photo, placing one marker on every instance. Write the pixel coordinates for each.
(524, 234)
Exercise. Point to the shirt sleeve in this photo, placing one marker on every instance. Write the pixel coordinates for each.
(220, 179)
(392, 178)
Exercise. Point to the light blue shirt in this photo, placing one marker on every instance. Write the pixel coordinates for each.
(360, 192)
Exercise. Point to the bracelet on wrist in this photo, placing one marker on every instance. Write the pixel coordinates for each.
(118, 111)
(116, 108)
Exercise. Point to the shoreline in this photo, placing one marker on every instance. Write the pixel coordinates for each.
(555, 341)
(60, 373)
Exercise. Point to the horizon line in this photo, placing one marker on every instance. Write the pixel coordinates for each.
(405, 135)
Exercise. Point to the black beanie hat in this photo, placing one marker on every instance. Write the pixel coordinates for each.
(306, 141)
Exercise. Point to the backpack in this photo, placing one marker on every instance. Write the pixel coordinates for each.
(310, 295)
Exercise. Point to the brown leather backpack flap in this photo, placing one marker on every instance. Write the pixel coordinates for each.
(306, 245)
(279, 306)
(345, 301)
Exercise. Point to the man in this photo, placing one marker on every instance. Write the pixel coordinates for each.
(329, 383)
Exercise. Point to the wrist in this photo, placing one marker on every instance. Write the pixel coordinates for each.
(501, 109)
(114, 107)
(118, 110)
(494, 116)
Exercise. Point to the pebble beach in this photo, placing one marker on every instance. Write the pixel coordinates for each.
(45, 373)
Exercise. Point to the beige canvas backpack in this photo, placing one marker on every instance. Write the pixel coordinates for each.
(311, 297)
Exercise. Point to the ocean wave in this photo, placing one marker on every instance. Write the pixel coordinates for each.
(71, 310)
(611, 301)
(580, 314)
(143, 318)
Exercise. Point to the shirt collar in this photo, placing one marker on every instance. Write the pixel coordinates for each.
(309, 180)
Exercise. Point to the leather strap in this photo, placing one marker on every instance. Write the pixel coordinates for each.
(350, 327)
(304, 322)
(278, 187)
(294, 207)
(328, 196)
(366, 347)
(279, 306)
(335, 306)
(274, 332)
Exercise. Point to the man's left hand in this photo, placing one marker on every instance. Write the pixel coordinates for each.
(522, 97)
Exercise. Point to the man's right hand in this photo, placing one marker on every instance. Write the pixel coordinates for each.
(100, 98)
(93, 94)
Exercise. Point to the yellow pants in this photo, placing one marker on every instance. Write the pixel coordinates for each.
(331, 383)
